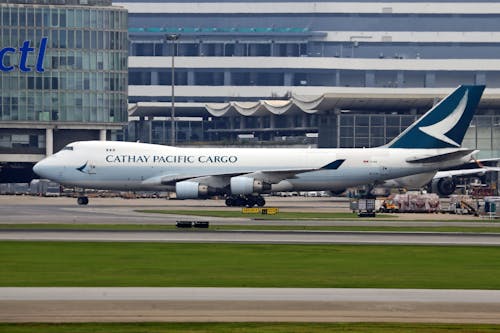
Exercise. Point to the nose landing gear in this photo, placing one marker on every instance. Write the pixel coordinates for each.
(245, 201)
(82, 200)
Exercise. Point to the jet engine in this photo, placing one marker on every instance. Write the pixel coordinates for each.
(247, 185)
(443, 186)
(193, 190)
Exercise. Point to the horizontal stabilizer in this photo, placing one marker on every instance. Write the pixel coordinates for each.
(465, 172)
(441, 157)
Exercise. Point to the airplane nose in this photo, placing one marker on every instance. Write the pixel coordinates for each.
(40, 168)
(37, 168)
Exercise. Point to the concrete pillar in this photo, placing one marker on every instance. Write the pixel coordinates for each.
(430, 80)
(154, 78)
(480, 78)
(240, 49)
(304, 120)
(272, 121)
(49, 141)
(369, 79)
(102, 135)
(261, 122)
(227, 78)
(203, 49)
(150, 129)
(274, 49)
(400, 79)
(190, 78)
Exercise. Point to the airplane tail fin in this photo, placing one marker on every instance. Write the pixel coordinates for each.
(444, 125)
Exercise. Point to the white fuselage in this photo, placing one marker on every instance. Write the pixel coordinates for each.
(138, 166)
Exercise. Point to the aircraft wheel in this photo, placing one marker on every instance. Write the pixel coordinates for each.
(261, 201)
(82, 200)
(240, 202)
(248, 201)
(230, 202)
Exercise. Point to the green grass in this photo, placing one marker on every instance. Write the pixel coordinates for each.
(247, 265)
(214, 227)
(247, 328)
(279, 216)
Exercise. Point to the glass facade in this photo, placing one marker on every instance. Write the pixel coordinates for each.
(85, 64)
(373, 130)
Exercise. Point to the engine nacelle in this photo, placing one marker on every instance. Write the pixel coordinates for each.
(247, 185)
(193, 190)
(443, 186)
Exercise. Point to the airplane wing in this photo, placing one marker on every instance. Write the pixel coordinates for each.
(268, 176)
(465, 172)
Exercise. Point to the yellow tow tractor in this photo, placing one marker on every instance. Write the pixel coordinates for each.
(388, 206)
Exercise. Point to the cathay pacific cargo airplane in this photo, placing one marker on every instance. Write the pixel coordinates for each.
(243, 174)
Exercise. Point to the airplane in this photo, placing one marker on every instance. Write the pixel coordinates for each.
(242, 175)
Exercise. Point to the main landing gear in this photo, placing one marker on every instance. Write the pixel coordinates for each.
(245, 201)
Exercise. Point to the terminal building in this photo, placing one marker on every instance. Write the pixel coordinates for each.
(322, 73)
(326, 73)
(64, 78)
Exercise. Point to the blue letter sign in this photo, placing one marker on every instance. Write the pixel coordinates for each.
(24, 50)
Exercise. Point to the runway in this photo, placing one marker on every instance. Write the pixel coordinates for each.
(257, 237)
(248, 304)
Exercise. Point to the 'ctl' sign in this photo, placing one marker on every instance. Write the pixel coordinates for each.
(25, 50)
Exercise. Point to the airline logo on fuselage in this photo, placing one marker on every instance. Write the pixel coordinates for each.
(172, 159)
(86, 168)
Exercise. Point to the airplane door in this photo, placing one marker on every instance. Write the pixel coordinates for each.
(92, 168)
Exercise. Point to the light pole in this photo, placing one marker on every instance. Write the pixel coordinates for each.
(173, 38)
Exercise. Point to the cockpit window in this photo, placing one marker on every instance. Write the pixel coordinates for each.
(68, 148)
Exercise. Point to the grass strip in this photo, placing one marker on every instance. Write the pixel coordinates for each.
(235, 227)
(331, 216)
(247, 328)
(247, 265)
(279, 216)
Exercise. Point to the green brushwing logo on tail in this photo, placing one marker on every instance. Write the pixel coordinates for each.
(440, 129)
(444, 126)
